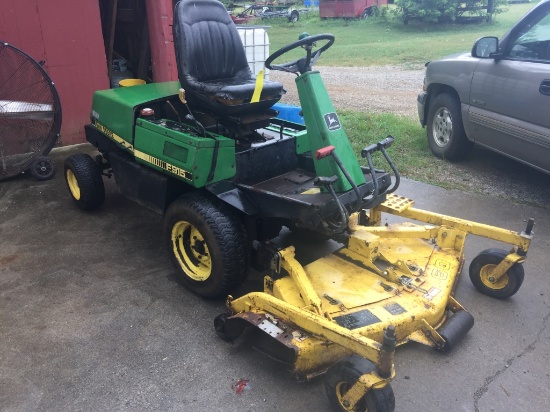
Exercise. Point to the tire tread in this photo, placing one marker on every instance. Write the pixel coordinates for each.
(494, 256)
(229, 233)
(350, 369)
(90, 181)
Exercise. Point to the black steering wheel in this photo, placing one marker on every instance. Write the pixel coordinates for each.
(304, 64)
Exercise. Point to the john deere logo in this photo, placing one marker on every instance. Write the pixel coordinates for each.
(331, 119)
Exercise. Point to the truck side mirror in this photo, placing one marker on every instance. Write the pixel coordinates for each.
(485, 47)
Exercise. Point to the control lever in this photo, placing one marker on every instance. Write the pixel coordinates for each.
(330, 151)
(381, 146)
(321, 181)
(190, 117)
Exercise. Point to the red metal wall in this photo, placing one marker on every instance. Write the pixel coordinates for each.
(66, 34)
(160, 17)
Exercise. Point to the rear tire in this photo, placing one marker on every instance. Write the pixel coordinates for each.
(294, 17)
(342, 376)
(365, 15)
(85, 182)
(445, 130)
(208, 245)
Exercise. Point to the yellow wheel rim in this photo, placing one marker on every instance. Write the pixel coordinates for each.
(73, 184)
(191, 251)
(341, 389)
(486, 276)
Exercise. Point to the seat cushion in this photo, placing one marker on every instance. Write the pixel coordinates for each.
(236, 88)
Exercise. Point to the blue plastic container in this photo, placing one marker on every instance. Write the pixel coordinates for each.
(289, 113)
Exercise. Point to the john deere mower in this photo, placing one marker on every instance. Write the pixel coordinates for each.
(211, 155)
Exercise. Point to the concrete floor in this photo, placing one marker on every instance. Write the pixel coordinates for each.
(92, 319)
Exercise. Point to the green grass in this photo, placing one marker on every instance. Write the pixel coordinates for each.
(410, 152)
(378, 41)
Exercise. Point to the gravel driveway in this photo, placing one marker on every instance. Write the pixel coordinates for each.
(383, 89)
(377, 89)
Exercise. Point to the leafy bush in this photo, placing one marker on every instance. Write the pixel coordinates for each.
(443, 11)
(426, 10)
(379, 11)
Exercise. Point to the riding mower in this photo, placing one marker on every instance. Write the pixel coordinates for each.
(210, 153)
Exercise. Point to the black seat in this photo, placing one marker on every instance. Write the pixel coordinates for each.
(212, 64)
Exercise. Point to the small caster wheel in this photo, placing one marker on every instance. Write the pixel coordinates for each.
(42, 168)
(480, 275)
(227, 328)
(344, 374)
(219, 326)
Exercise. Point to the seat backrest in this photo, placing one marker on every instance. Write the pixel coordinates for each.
(207, 43)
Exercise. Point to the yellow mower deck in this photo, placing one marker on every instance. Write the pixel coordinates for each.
(401, 275)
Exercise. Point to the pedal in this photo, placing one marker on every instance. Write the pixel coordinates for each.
(397, 203)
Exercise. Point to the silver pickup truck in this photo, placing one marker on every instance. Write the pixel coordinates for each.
(497, 95)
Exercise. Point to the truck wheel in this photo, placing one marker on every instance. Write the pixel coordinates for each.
(343, 375)
(208, 245)
(365, 14)
(42, 168)
(446, 136)
(84, 180)
(480, 275)
(294, 16)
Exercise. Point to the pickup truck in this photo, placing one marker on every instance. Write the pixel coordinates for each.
(496, 96)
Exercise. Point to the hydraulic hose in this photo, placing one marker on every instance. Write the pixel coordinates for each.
(395, 171)
(358, 204)
(344, 216)
(374, 181)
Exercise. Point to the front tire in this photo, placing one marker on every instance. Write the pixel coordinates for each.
(344, 374)
(207, 244)
(445, 130)
(84, 180)
(480, 275)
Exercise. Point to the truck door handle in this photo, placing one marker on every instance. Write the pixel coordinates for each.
(545, 87)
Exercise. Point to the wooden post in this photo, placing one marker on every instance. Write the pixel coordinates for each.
(163, 57)
(144, 54)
